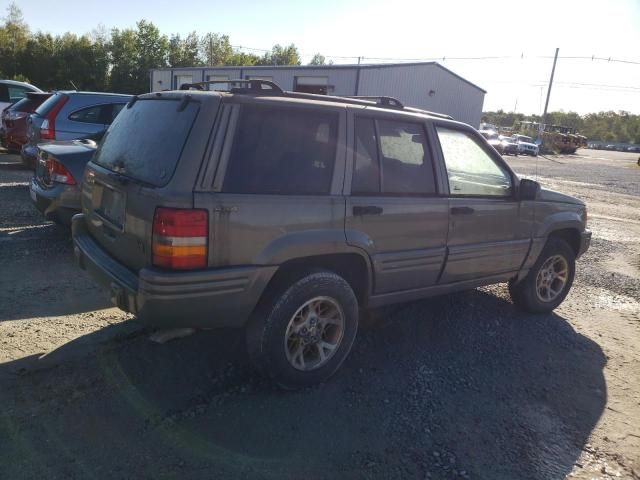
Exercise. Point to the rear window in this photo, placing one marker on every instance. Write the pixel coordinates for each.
(48, 104)
(23, 105)
(145, 141)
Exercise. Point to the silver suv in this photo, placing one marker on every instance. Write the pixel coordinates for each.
(289, 213)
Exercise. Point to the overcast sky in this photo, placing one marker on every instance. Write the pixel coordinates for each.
(414, 29)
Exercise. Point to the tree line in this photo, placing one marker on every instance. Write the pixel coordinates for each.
(616, 127)
(117, 60)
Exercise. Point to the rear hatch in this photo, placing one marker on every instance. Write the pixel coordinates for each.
(46, 111)
(149, 158)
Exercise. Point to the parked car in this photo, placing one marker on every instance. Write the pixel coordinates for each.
(502, 144)
(13, 120)
(509, 147)
(526, 146)
(69, 115)
(287, 213)
(12, 91)
(55, 186)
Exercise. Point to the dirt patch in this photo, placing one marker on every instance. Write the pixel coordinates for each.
(461, 386)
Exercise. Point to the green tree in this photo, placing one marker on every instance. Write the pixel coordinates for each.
(216, 49)
(184, 52)
(14, 35)
(318, 59)
(123, 55)
(133, 54)
(280, 55)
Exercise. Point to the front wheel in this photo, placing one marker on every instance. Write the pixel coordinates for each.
(549, 280)
(301, 336)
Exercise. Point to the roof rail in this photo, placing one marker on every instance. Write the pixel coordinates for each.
(380, 100)
(428, 112)
(257, 86)
(253, 86)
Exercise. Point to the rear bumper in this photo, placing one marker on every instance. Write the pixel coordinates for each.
(59, 202)
(202, 299)
(585, 242)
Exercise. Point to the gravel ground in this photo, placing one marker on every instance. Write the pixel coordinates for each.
(460, 386)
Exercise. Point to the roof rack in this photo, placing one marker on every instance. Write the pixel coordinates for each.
(384, 101)
(256, 86)
(253, 86)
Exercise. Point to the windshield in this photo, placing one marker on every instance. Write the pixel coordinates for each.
(145, 141)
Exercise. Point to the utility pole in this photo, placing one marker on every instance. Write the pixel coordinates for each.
(546, 104)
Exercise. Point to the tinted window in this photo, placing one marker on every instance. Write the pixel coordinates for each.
(282, 151)
(89, 115)
(406, 168)
(470, 168)
(4, 95)
(366, 173)
(146, 140)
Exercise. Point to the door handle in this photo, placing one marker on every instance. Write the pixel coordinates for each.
(462, 210)
(367, 210)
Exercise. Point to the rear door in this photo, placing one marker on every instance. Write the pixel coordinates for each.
(487, 235)
(277, 189)
(394, 210)
(134, 171)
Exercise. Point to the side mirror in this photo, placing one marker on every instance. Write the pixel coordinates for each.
(528, 189)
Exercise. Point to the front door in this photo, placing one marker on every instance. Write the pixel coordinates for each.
(487, 235)
(394, 211)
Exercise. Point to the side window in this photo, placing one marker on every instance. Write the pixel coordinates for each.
(4, 94)
(471, 170)
(366, 171)
(88, 115)
(391, 157)
(406, 166)
(282, 151)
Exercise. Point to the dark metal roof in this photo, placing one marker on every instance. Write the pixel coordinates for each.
(323, 67)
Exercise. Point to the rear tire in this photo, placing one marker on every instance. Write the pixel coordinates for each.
(548, 282)
(302, 333)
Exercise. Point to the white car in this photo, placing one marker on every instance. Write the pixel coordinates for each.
(526, 145)
(11, 91)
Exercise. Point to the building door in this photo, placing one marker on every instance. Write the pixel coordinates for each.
(393, 211)
(180, 80)
(486, 234)
(218, 86)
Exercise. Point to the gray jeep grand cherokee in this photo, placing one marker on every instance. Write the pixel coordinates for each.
(289, 213)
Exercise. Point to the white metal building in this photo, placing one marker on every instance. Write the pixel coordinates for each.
(426, 85)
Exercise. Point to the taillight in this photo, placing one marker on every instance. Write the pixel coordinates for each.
(48, 127)
(13, 116)
(58, 172)
(180, 238)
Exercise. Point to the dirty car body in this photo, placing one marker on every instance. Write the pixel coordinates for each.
(226, 202)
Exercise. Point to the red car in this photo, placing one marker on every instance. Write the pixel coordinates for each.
(13, 120)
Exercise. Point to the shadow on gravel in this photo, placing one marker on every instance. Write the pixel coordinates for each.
(462, 386)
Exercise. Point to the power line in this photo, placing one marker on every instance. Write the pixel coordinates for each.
(444, 58)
